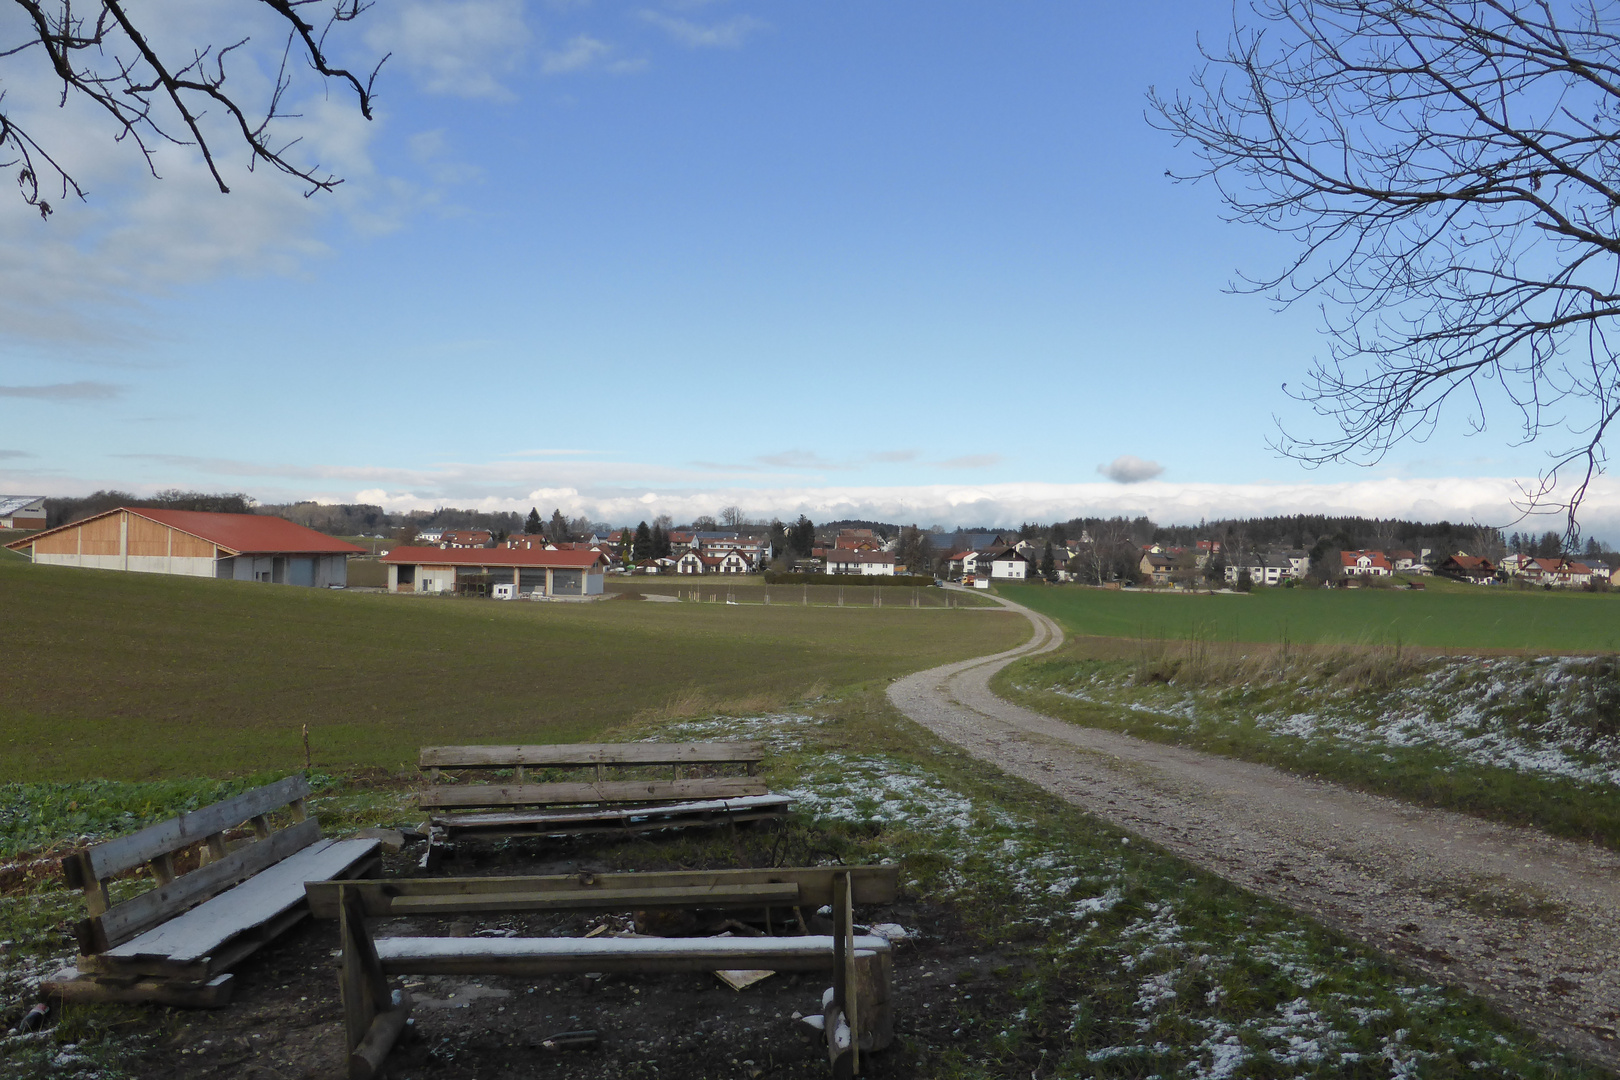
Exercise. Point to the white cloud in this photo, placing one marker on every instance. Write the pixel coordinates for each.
(579, 53)
(625, 491)
(972, 461)
(73, 391)
(456, 47)
(729, 34)
(1129, 469)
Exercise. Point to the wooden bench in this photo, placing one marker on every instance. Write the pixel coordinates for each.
(601, 804)
(175, 943)
(856, 1011)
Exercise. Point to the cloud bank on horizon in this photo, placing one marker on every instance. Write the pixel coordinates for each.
(1486, 501)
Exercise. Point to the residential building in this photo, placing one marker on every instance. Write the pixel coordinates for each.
(194, 543)
(1468, 568)
(22, 511)
(465, 538)
(865, 563)
(1365, 564)
(858, 540)
(1008, 565)
(1156, 567)
(476, 570)
(1405, 562)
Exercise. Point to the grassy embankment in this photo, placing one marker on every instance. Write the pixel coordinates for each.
(1445, 615)
(1371, 703)
(1080, 954)
(133, 676)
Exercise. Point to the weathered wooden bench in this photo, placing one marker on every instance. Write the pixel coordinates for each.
(522, 808)
(175, 943)
(856, 1010)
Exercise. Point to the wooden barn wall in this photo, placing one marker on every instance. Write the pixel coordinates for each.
(188, 546)
(100, 537)
(63, 543)
(147, 537)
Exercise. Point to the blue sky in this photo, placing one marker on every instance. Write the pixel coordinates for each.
(914, 261)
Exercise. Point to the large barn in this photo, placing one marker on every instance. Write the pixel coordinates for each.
(478, 570)
(192, 543)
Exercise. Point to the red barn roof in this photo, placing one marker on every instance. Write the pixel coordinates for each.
(433, 556)
(241, 534)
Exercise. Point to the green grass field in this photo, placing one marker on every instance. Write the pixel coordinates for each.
(134, 676)
(1446, 615)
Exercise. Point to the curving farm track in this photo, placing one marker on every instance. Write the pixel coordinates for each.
(1525, 920)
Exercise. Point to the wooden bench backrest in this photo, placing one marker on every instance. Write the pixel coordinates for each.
(90, 868)
(869, 885)
(599, 756)
(584, 754)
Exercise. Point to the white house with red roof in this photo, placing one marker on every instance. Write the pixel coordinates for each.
(195, 543)
(1365, 563)
(535, 573)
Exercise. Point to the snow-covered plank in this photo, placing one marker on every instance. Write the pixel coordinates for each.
(196, 934)
(542, 956)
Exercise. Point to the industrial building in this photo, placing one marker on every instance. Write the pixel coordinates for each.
(528, 573)
(22, 511)
(193, 543)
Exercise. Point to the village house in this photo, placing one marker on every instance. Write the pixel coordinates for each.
(1365, 564)
(865, 563)
(529, 573)
(858, 540)
(194, 543)
(429, 536)
(22, 511)
(465, 538)
(694, 562)
(1008, 565)
(1270, 568)
(1468, 568)
(1155, 567)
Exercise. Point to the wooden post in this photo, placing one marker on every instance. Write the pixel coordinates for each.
(845, 1060)
(261, 826)
(163, 868)
(371, 1021)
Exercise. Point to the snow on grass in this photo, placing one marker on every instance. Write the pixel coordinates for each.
(1553, 716)
(1160, 986)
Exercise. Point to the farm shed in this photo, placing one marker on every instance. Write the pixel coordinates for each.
(193, 543)
(22, 511)
(477, 570)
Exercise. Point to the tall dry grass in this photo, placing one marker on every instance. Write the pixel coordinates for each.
(1203, 662)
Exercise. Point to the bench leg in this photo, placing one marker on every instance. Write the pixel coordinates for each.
(372, 1018)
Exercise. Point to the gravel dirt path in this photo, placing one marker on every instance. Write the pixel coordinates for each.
(1527, 921)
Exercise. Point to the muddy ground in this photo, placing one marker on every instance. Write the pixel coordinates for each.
(285, 1022)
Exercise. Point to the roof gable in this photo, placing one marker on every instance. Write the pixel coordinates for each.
(240, 534)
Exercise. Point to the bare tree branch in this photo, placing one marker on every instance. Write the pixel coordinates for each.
(155, 98)
(1451, 172)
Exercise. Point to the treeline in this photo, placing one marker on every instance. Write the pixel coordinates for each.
(65, 511)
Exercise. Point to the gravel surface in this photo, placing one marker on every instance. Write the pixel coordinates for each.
(1524, 920)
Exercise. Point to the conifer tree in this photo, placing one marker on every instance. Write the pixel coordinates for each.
(532, 526)
(644, 543)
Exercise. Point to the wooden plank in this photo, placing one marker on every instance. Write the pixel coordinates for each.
(601, 899)
(623, 823)
(563, 754)
(126, 852)
(69, 984)
(141, 913)
(868, 885)
(560, 818)
(197, 933)
(611, 791)
(562, 956)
